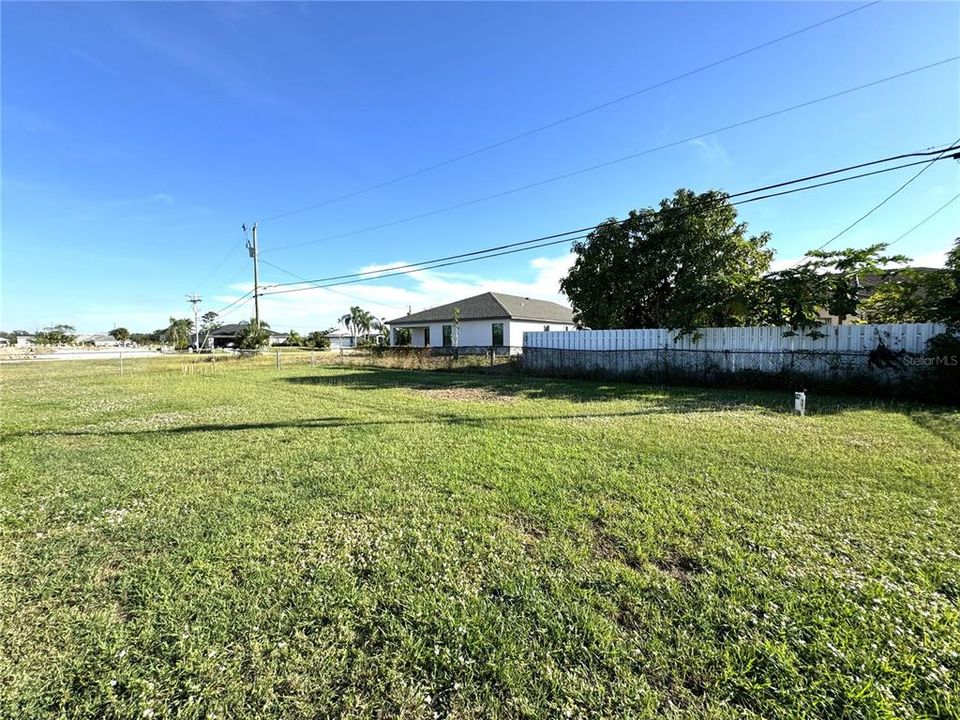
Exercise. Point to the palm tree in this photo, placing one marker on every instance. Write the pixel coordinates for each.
(178, 333)
(363, 321)
(252, 336)
(347, 320)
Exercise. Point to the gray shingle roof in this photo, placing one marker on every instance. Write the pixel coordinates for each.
(492, 305)
(230, 330)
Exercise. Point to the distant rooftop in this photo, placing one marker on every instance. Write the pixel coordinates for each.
(491, 305)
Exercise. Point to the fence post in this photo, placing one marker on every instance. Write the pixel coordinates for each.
(491, 356)
(121, 362)
(278, 359)
(313, 358)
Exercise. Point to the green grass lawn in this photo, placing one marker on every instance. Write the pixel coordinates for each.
(350, 542)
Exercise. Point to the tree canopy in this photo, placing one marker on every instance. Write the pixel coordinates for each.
(687, 264)
(178, 332)
(360, 322)
(829, 281)
(253, 335)
(56, 335)
(317, 339)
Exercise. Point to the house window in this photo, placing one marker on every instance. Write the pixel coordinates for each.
(498, 334)
(546, 328)
(448, 335)
(426, 337)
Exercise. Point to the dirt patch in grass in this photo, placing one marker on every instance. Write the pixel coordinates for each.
(608, 547)
(530, 532)
(469, 394)
(679, 566)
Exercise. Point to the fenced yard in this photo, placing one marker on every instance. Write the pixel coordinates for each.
(884, 359)
(341, 541)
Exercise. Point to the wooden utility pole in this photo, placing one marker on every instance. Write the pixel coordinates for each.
(195, 300)
(255, 254)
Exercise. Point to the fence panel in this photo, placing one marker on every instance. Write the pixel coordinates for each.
(911, 337)
(833, 352)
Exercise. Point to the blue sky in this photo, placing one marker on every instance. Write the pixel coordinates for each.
(137, 137)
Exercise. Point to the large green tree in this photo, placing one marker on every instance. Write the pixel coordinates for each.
(831, 282)
(950, 302)
(121, 334)
(911, 295)
(689, 263)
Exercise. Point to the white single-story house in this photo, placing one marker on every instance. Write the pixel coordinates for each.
(97, 340)
(25, 340)
(489, 320)
(340, 339)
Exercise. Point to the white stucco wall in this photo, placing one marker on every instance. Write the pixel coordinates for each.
(479, 333)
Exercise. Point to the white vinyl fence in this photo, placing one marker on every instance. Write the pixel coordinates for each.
(842, 352)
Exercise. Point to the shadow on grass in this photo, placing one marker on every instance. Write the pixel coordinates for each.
(344, 422)
(651, 401)
(673, 399)
(945, 426)
(579, 391)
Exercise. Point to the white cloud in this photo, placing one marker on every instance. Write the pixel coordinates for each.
(318, 308)
(935, 259)
(711, 151)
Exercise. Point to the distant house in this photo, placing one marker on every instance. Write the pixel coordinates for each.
(26, 340)
(868, 285)
(487, 320)
(340, 339)
(226, 336)
(97, 340)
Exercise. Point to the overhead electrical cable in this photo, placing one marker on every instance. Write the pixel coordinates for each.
(940, 156)
(568, 118)
(621, 159)
(508, 249)
(338, 292)
(223, 310)
(566, 236)
(929, 217)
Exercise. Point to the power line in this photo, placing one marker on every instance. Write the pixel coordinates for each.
(624, 158)
(230, 252)
(926, 219)
(243, 304)
(889, 197)
(568, 118)
(844, 179)
(426, 266)
(565, 236)
(224, 309)
(485, 254)
(346, 295)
